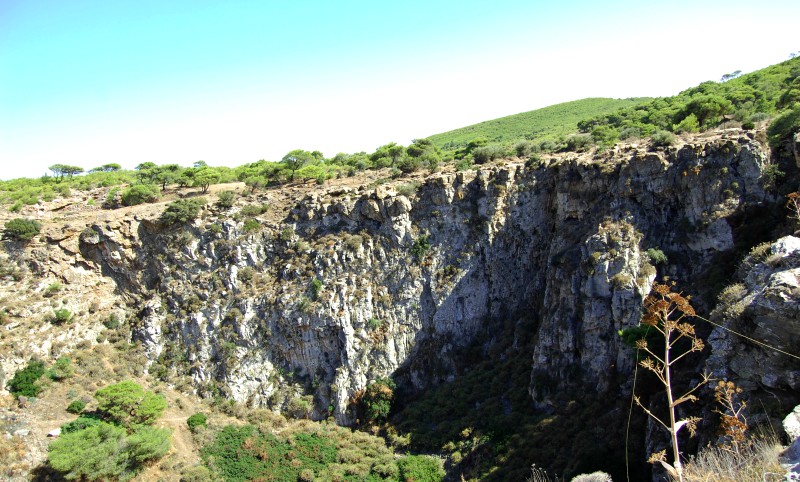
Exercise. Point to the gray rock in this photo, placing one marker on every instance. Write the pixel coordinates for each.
(791, 424)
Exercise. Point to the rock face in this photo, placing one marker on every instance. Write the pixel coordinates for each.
(354, 285)
(764, 305)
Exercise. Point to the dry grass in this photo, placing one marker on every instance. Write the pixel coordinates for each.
(539, 475)
(756, 462)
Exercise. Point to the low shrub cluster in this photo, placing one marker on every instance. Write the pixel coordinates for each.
(182, 211)
(244, 453)
(24, 382)
(22, 229)
(114, 442)
(139, 194)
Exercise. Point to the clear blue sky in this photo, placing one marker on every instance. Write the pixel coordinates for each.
(88, 82)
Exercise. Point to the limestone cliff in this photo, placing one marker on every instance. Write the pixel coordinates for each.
(763, 305)
(351, 284)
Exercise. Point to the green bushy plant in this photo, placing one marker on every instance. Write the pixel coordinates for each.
(61, 316)
(225, 199)
(197, 420)
(656, 256)
(24, 382)
(663, 138)
(316, 288)
(22, 229)
(76, 406)
(579, 142)
(377, 399)
(251, 225)
(420, 468)
(784, 126)
(139, 194)
(106, 452)
(420, 247)
(61, 370)
(85, 420)
(182, 211)
(254, 210)
(127, 403)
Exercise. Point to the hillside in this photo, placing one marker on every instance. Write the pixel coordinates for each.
(545, 123)
(395, 316)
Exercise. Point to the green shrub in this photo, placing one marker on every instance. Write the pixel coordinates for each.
(86, 420)
(254, 209)
(408, 189)
(286, 234)
(304, 305)
(112, 322)
(251, 225)
(139, 194)
(128, 404)
(548, 146)
(784, 126)
(579, 142)
(225, 199)
(76, 406)
(61, 316)
(316, 287)
(374, 323)
(243, 453)
(605, 135)
(377, 399)
(420, 247)
(198, 473)
(22, 229)
(106, 452)
(182, 211)
(52, 289)
(656, 256)
(464, 164)
(420, 468)
(663, 138)
(196, 420)
(61, 370)
(111, 198)
(688, 124)
(24, 381)
(246, 274)
(482, 155)
(630, 132)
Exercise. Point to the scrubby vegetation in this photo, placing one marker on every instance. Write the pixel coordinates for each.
(325, 452)
(22, 229)
(182, 211)
(115, 442)
(748, 98)
(24, 382)
(537, 125)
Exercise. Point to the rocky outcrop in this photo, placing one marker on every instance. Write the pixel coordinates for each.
(764, 306)
(357, 284)
(351, 284)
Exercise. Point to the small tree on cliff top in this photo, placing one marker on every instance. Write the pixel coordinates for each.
(666, 313)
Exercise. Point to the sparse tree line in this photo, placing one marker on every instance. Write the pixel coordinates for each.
(148, 180)
(744, 100)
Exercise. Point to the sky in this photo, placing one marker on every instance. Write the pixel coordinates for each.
(85, 82)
